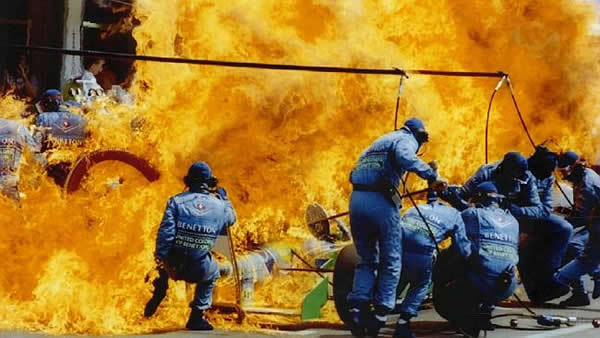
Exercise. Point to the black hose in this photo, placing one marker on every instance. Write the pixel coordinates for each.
(514, 100)
(487, 120)
(437, 249)
(315, 270)
(396, 113)
(525, 305)
(527, 328)
(398, 99)
(512, 314)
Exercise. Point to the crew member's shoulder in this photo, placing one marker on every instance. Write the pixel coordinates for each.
(546, 182)
(590, 179)
(9, 126)
(50, 117)
(44, 117)
(185, 196)
(531, 177)
(190, 196)
(471, 211)
(489, 167)
(591, 174)
(444, 208)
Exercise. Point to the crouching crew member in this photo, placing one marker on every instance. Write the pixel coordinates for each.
(14, 139)
(549, 233)
(188, 231)
(58, 128)
(586, 192)
(465, 294)
(418, 250)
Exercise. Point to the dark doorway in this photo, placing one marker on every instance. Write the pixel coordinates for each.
(37, 23)
(108, 27)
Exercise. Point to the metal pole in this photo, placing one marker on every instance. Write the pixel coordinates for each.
(256, 65)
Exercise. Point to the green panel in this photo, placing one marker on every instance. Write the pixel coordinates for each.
(314, 300)
(405, 290)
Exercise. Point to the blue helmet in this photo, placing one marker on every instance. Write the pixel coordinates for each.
(50, 92)
(417, 128)
(567, 159)
(200, 174)
(514, 165)
(487, 187)
(486, 193)
(543, 162)
(571, 166)
(51, 100)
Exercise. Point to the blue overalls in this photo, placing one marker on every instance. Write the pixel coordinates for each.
(418, 249)
(549, 229)
(494, 234)
(188, 231)
(61, 128)
(586, 211)
(14, 138)
(375, 218)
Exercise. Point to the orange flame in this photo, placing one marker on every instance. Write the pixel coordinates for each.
(280, 140)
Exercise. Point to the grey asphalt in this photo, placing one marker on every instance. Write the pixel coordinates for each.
(428, 324)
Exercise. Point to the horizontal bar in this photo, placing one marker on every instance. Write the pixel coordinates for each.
(330, 217)
(256, 65)
(347, 212)
(271, 311)
(14, 21)
(306, 270)
(498, 74)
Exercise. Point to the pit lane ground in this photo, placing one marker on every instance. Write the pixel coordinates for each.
(428, 324)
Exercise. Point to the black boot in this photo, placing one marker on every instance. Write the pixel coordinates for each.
(579, 296)
(468, 322)
(375, 322)
(469, 330)
(403, 330)
(484, 320)
(358, 320)
(549, 291)
(576, 299)
(160, 291)
(596, 292)
(198, 322)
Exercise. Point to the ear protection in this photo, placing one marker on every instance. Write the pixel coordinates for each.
(211, 182)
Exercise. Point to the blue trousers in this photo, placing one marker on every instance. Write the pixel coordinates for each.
(582, 257)
(200, 271)
(377, 235)
(555, 232)
(416, 272)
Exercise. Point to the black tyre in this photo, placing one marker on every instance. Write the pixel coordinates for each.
(343, 277)
(451, 293)
(533, 267)
(84, 163)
